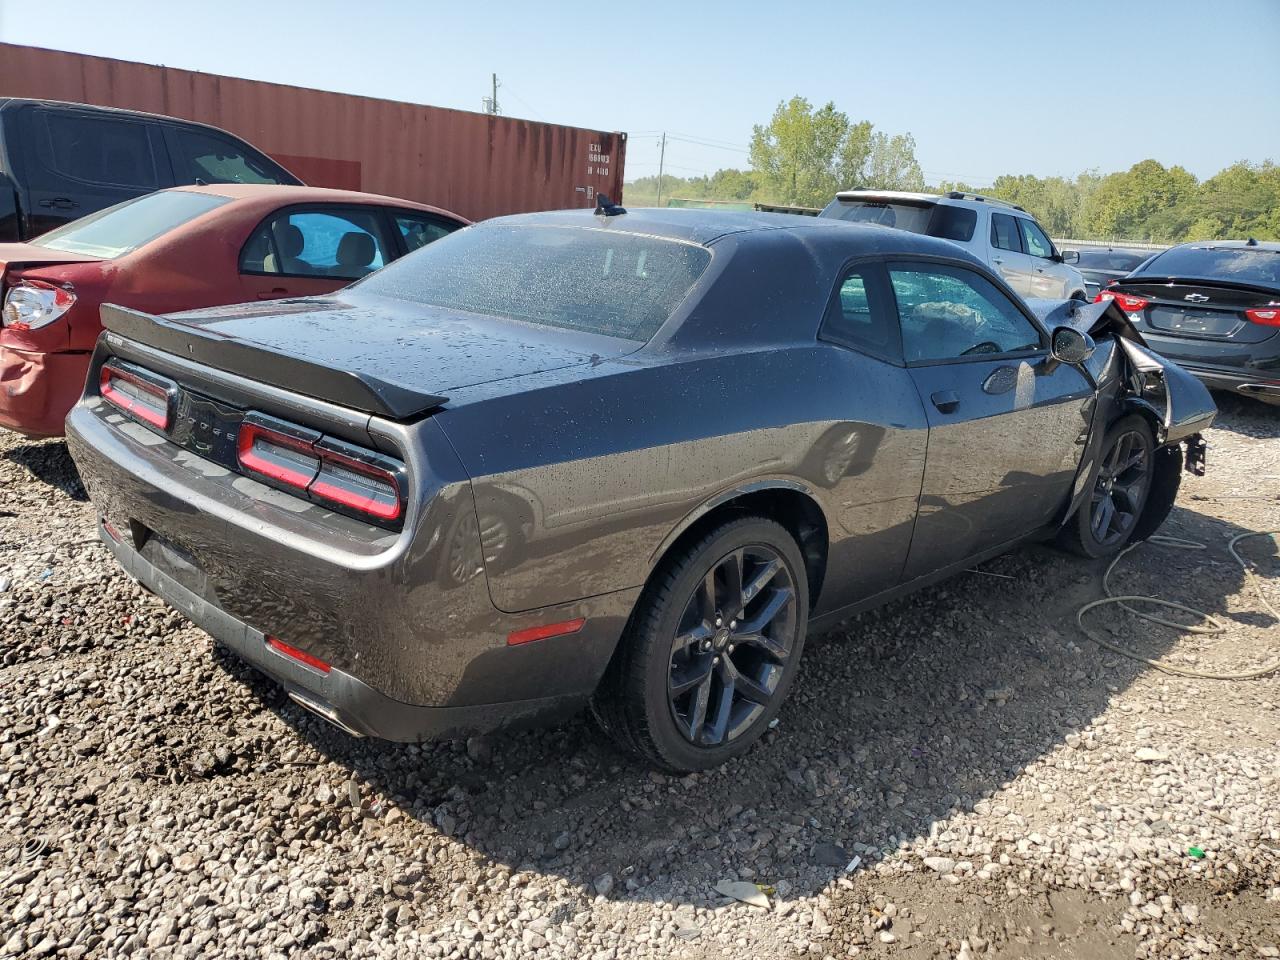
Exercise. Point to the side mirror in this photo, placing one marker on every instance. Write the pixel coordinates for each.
(1071, 346)
(1070, 256)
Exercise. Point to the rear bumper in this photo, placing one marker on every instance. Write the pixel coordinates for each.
(344, 700)
(415, 650)
(37, 389)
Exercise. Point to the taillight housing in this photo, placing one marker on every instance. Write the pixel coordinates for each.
(137, 393)
(32, 304)
(1268, 316)
(1127, 302)
(341, 476)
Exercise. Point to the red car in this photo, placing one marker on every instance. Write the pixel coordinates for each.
(181, 249)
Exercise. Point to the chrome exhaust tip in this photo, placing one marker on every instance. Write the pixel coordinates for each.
(323, 711)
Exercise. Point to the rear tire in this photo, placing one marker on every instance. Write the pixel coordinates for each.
(711, 649)
(1119, 488)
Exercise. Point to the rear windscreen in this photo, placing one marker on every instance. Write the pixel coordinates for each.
(118, 230)
(578, 278)
(935, 220)
(1240, 264)
(1097, 259)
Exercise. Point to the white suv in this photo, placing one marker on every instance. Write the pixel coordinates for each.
(1003, 236)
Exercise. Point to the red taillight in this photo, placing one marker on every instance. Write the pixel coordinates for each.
(346, 478)
(356, 483)
(1267, 316)
(137, 394)
(545, 632)
(293, 653)
(278, 453)
(1127, 303)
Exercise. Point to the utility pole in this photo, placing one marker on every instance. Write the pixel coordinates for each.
(491, 103)
(662, 156)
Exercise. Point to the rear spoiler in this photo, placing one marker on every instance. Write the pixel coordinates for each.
(356, 391)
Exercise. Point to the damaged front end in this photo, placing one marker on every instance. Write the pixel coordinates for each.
(1130, 377)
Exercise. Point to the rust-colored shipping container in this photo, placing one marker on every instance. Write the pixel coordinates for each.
(475, 164)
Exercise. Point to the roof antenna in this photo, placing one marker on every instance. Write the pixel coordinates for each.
(1251, 242)
(606, 207)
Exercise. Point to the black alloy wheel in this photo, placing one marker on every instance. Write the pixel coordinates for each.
(1120, 488)
(711, 649)
(732, 645)
(1113, 512)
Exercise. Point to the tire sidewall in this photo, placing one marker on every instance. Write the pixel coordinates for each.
(678, 752)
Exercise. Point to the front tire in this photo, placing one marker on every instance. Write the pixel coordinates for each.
(711, 649)
(1118, 491)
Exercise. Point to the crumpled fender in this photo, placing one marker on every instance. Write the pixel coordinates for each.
(1176, 399)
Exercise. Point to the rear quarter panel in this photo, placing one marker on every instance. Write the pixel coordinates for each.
(580, 485)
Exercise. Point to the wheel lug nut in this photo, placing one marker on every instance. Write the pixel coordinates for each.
(715, 661)
(719, 621)
(731, 648)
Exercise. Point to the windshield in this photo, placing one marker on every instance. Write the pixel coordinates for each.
(121, 229)
(1241, 264)
(590, 279)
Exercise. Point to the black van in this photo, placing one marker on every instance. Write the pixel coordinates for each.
(61, 161)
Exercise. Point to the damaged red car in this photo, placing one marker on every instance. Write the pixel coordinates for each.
(181, 249)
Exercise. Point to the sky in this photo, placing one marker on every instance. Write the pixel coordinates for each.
(985, 86)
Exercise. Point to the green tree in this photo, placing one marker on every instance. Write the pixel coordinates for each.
(892, 163)
(795, 155)
(1141, 203)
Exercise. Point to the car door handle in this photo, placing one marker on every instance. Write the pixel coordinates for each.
(946, 401)
(273, 293)
(60, 203)
(996, 260)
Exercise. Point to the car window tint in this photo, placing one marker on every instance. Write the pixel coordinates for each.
(588, 279)
(852, 320)
(1034, 240)
(947, 312)
(1004, 233)
(125, 227)
(419, 229)
(953, 223)
(214, 159)
(341, 244)
(116, 152)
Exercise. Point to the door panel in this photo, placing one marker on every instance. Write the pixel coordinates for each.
(1007, 256)
(1004, 425)
(1048, 280)
(79, 163)
(1002, 454)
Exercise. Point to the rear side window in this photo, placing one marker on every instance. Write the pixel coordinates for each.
(953, 223)
(576, 278)
(211, 158)
(125, 227)
(1033, 239)
(417, 230)
(97, 150)
(859, 317)
(1242, 264)
(345, 244)
(1004, 233)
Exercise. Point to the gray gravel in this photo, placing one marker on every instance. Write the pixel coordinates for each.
(959, 774)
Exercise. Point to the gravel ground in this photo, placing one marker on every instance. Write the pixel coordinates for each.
(960, 774)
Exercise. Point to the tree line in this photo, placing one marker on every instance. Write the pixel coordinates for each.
(803, 155)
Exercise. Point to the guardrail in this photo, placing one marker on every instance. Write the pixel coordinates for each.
(1127, 244)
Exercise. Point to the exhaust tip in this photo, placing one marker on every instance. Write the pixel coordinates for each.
(324, 712)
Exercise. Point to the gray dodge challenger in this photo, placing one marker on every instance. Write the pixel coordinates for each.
(624, 460)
